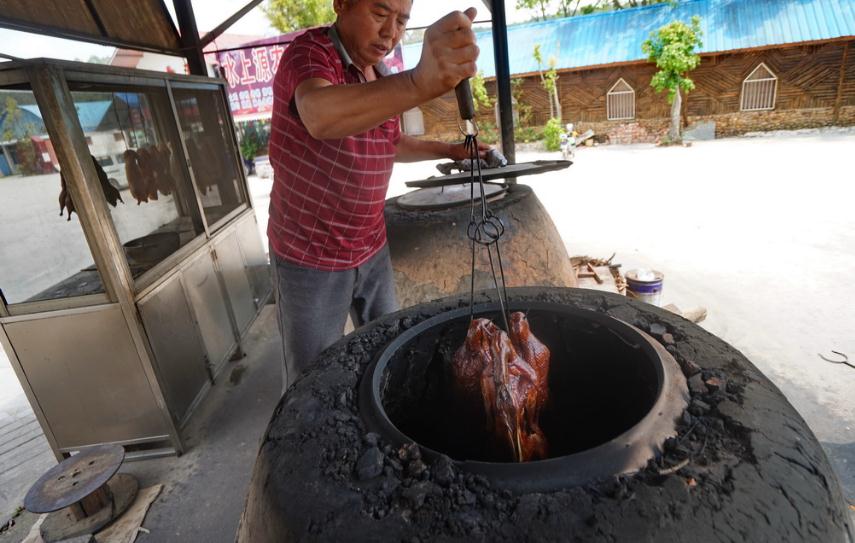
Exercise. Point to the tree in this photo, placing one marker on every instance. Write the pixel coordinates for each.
(549, 80)
(9, 117)
(592, 6)
(479, 93)
(534, 4)
(672, 48)
(484, 104)
(14, 129)
(523, 108)
(291, 15)
(565, 7)
(617, 4)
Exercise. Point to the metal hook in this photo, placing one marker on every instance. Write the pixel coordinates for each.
(845, 360)
(468, 128)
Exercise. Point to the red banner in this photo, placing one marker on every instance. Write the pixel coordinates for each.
(251, 69)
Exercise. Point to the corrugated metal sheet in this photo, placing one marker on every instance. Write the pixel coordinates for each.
(90, 114)
(612, 37)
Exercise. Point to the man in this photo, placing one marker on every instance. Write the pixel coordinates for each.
(335, 135)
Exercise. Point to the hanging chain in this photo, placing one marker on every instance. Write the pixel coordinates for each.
(485, 230)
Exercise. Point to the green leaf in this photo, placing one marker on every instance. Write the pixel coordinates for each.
(673, 49)
(291, 15)
(552, 134)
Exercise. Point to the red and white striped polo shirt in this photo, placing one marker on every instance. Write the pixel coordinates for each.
(326, 207)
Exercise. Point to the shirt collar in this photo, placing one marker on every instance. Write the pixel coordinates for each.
(346, 59)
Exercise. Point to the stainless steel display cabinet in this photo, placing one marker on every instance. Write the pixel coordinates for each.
(132, 264)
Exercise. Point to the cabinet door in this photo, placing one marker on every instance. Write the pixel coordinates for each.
(178, 350)
(209, 307)
(257, 264)
(234, 273)
(88, 378)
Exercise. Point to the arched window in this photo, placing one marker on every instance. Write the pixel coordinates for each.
(759, 90)
(620, 101)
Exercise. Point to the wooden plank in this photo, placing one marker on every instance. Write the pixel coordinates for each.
(27, 428)
(587, 279)
(840, 81)
(68, 14)
(136, 24)
(22, 456)
(140, 19)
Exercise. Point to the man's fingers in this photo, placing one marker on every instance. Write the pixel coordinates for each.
(464, 54)
(454, 21)
(450, 51)
(466, 70)
(461, 38)
(460, 56)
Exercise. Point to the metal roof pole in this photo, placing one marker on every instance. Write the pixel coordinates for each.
(222, 27)
(190, 42)
(503, 79)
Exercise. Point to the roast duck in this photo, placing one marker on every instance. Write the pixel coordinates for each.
(504, 378)
(111, 193)
(150, 169)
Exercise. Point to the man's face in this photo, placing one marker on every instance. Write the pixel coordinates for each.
(370, 29)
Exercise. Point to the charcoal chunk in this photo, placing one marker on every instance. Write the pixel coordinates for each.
(370, 464)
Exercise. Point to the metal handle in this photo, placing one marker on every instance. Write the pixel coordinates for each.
(465, 103)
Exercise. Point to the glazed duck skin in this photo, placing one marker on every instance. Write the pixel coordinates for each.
(507, 376)
(136, 179)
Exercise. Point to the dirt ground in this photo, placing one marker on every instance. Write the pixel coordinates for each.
(760, 231)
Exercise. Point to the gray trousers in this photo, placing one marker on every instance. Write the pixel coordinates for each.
(312, 306)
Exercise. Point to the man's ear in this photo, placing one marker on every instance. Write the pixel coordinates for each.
(340, 5)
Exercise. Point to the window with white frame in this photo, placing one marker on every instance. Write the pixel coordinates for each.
(620, 101)
(759, 90)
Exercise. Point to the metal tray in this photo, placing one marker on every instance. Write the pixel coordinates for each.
(447, 196)
(512, 171)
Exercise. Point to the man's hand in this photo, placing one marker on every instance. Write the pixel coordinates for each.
(412, 149)
(335, 111)
(458, 151)
(448, 54)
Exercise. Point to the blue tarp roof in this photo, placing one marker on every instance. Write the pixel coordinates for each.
(616, 36)
(90, 113)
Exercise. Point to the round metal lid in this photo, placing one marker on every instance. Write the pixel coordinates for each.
(447, 196)
(74, 478)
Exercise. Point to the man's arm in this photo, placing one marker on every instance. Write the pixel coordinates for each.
(411, 149)
(336, 111)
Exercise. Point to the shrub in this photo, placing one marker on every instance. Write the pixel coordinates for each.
(488, 132)
(552, 134)
(527, 134)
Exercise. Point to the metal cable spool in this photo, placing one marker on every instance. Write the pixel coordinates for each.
(82, 494)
